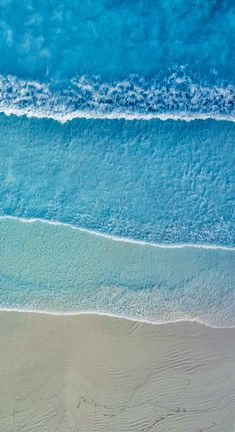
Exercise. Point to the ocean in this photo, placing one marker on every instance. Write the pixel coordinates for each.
(117, 133)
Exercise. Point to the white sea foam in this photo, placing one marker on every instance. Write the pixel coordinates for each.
(174, 97)
(106, 314)
(120, 239)
(63, 118)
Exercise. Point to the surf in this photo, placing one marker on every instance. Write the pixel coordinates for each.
(175, 96)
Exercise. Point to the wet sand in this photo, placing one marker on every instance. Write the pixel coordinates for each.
(90, 373)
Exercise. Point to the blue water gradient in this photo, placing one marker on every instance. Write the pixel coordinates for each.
(162, 182)
(57, 269)
(121, 58)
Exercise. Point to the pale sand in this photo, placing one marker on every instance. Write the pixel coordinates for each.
(90, 373)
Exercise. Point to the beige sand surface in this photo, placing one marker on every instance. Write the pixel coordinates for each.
(90, 373)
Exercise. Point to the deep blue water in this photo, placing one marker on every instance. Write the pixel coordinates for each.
(117, 57)
(44, 39)
(104, 64)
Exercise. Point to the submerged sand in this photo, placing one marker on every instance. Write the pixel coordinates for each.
(90, 373)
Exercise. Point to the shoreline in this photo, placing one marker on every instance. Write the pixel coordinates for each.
(95, 274)
(115, 316)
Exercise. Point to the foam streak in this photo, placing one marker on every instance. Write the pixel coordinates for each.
(120, 239)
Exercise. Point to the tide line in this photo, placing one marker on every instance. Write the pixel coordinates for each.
(110, 315)
(117, 238)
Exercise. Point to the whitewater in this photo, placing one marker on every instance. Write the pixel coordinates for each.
(110, 60)
(176, 96)
(99, 213)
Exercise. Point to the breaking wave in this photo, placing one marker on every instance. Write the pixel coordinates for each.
(176, 96)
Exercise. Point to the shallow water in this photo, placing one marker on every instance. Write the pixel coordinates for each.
(57, 269)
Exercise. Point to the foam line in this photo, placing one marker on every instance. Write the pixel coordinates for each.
(89, 115)
(174, 96)
(106, 314)
(120, 239)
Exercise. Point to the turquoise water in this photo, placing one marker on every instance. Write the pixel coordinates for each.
(162, 182)
(84, 89)
(59, 269)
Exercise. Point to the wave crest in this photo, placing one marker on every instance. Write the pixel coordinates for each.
(176, 96)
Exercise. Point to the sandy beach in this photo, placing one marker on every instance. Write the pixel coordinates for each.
(90, 373)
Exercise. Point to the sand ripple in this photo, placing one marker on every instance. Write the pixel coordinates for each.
(95, 374)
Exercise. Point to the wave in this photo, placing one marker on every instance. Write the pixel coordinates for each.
(105, 314)
(53, 269)
(174, 96)
(119, 238)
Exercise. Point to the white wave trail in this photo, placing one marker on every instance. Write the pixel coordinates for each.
(111, 315)
(120, 239)
(64, 118)
(174, 97)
